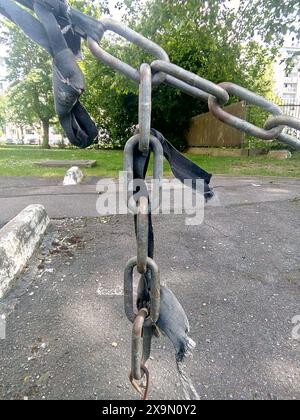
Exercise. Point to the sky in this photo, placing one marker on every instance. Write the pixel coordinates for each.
(117, 14)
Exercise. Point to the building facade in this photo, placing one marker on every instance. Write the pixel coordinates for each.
(288, 79)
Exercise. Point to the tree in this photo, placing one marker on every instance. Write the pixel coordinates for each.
(3, 112)
(30, 96)
(199, 36)
(272, 20)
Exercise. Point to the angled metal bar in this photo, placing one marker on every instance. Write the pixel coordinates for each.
(186, 88)
(289, 140)
(137, 39)
(191, 79)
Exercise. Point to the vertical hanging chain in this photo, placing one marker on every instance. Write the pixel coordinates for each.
(141, 204)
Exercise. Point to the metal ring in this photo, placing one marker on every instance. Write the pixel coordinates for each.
(240, 124)
(142, 231)
(137, 39)
(289, 122)
(158, 168)
(191, 79)
(283, 120)
(154, 290)
(145, 108)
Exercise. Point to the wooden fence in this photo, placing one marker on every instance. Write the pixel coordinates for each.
(207, 131)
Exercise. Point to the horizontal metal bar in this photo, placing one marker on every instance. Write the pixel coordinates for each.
(186, 88)
(191, 79)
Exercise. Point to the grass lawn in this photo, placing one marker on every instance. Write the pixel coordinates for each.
(19, 161)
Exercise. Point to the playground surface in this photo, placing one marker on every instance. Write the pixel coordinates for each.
(237, 276)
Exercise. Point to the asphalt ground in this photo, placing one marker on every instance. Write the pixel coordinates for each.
(237, 276)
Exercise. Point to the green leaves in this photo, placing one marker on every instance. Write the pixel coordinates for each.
(206, 38)
(210, 38)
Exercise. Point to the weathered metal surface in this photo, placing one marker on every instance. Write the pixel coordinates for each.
(137, 344)
(135, 38)
(142, 234)
(154, 303)
(287, 121)
(158, 163)
(243, 125)
(145, 108)
(192, 79)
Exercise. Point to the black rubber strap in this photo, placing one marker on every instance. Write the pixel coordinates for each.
(182, 169)
(68, 81)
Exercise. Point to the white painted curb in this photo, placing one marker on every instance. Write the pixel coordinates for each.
(74, 176)
(18, 241)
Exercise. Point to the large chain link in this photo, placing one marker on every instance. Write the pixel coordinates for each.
(217, 96)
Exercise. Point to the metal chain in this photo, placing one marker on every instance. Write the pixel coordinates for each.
(217, 96)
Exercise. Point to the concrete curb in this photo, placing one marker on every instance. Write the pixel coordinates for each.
(18, 241)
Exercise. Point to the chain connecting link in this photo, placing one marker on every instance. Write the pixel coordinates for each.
(245, 126)
(142, 234)
(130, 183)
(145, 108)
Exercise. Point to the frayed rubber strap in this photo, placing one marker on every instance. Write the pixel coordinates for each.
(182, 169)
(59, 30)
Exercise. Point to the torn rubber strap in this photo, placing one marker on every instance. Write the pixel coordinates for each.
(172, 321)
(58, 30)
(182, 168)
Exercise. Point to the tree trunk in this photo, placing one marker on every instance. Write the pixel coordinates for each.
(45, 126)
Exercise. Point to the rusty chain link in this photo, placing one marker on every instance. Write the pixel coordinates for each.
(217, 96)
